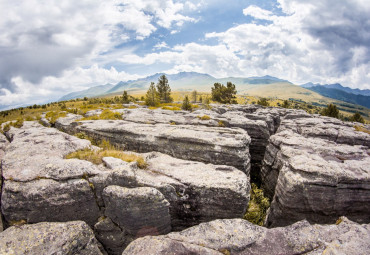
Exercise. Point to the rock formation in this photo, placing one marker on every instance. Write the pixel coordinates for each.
(237, 236)
(73, 237)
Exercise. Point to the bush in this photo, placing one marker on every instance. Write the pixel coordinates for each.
(330, 111)
(186, 104)
(257, 207)
(263, 101)
(54, 115)
(357, 118)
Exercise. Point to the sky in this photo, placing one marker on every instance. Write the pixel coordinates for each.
(49, 48)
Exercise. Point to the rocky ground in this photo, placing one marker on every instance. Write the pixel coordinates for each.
(198, 169)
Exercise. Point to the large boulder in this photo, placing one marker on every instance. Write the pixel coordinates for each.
(315, 179)
(214, 145)
(39, 185)
(237, 236)
(50, 238)
(139, 211)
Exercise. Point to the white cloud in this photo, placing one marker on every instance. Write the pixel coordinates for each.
(161, 45)
(52, 87)
(258, 13)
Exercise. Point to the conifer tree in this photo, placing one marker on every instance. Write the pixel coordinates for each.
(164, 90)
(152, 97)
(186, 104)
(125, 98)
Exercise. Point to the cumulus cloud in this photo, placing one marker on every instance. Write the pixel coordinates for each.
(321, 42)
(43, 38)
(52, 87)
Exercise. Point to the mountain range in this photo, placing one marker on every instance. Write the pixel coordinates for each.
(337, 91)
(183, 81)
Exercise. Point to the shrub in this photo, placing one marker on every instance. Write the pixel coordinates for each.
(357, 118)
(263, 101)
(257, 207)
(186, 104)
(224, 94)
(330, 111)
(204, 117)
(54, 115)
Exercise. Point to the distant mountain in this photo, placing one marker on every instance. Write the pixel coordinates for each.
(91, 92)
(342, 95)
(183, 81)
(364, 92)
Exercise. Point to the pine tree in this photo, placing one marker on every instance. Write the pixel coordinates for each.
(330, 111)
(125, 98)
(186, 104)
(164, 90)
(194, 96)
(152, 97)
(224, 94)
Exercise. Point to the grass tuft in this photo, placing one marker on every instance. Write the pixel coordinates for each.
(54, 115)
(361, 129)
(204, 117)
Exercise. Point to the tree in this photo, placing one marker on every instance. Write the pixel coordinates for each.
(201, 99)
(125, 98)
(164, 90)
(330, 111)
(224, 94)
(152, 97)
(194, 96)
(357, 118)
(186, 104)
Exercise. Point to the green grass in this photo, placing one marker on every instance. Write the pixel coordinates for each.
(257, 206)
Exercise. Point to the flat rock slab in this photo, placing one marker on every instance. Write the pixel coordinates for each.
(50, 238)
(237, 236)
(39, 185)
(222, 146)
(139, 211)
(315, 179)
(327, 128)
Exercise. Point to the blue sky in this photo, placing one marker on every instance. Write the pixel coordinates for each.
(49, 48)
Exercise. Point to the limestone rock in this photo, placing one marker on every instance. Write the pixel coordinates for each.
(207, 144)
(39, 185)
(315, 179)
(237, 236)
(139, 211)
(50, 238)
(197, 192)
(68, 124)
(111, 236)
(327, 128)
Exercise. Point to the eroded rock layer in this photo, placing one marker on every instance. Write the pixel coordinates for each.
(238, 236)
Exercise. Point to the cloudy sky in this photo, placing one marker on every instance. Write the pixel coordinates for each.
(52, 47)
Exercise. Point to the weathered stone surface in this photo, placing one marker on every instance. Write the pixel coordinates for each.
(327, 128)
(207, 144)
(50, 238)
(197, 192)
(39, 185)
(111, 236)
(237, 236)
(315, 179)
(68, 124)
(139, 211)
(3, 143)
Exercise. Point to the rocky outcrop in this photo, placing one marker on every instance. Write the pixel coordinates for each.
(237, 236)
(50, 238)
(315, 179)
(326, 128)
(197, 192)
(39, 185)
(223, 146)
(139, 211)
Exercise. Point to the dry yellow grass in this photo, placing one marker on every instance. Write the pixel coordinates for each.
(204, 117)
(361, 129)
(96, 156)
(105, 115)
